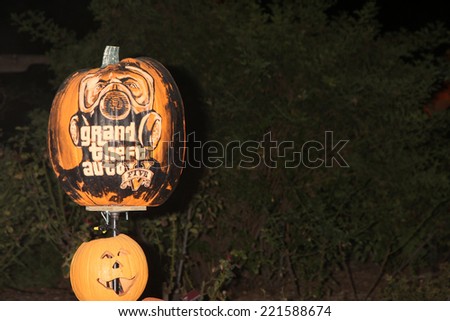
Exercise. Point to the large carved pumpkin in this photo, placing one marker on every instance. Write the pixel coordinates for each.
(108, 269)
(116, 134)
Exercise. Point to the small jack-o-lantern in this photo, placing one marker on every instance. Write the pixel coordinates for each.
(108, 269)
(116, 134)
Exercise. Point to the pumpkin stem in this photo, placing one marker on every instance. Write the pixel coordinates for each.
(110, 56)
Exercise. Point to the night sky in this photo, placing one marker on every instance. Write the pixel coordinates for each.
(75, 15)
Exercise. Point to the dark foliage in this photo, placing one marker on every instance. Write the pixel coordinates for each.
(298, 71)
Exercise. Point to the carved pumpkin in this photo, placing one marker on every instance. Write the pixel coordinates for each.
(109, 269)
(116, 134)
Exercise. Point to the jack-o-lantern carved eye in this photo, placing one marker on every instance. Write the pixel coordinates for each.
(107, 255)
(100, 85)
(132, 84)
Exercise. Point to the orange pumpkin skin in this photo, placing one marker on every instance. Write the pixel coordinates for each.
(116, 134)
(97, 263)
(150, 298)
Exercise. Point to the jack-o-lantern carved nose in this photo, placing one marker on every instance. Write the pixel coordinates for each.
(116, 265)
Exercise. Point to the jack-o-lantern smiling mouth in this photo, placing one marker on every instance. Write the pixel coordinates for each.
(116, 281)
(119, 285)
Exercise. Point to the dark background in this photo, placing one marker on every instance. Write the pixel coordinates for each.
(376, 231)
(76, 16)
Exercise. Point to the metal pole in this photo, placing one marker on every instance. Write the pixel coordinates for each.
(114, 218)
